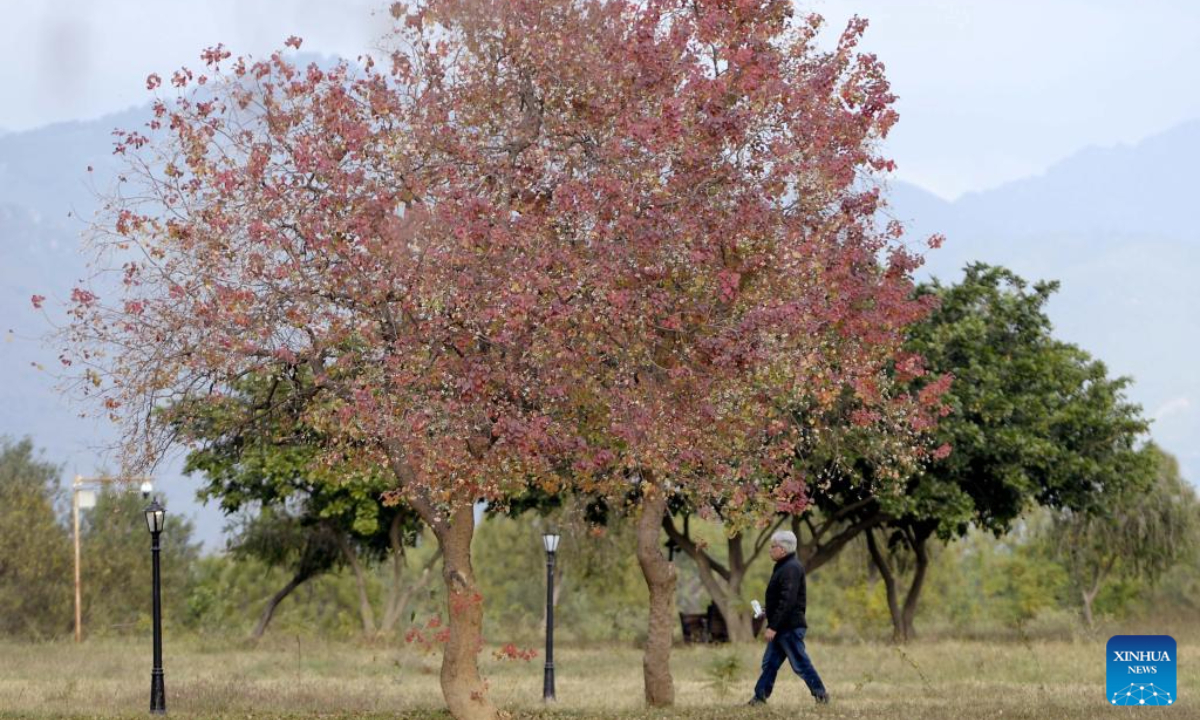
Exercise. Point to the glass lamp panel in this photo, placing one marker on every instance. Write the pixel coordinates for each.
(155, 517)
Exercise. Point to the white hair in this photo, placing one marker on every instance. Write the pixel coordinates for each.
(785, 539)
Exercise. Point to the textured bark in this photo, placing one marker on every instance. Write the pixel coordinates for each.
(462, 686)
(889, 583)
(660, 579)
(269, 611)
(738, 620)
(914, 589)
(1088, 617)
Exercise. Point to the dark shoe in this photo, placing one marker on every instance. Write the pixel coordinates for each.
(757, 701)
(822, 699)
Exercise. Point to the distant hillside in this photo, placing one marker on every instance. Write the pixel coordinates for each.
(44, 199)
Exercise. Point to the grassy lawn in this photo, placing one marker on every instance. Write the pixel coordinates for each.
(306, 678)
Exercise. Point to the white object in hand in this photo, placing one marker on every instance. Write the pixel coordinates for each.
(757, 608)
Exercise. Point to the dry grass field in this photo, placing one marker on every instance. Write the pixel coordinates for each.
(308, 679)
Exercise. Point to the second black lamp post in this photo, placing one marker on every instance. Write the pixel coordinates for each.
(550, 542)
(155, 518)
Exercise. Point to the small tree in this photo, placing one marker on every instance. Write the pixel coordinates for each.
(310, 518)
(1139, 534)
(847, 441)
(35, 565)
(115, 562)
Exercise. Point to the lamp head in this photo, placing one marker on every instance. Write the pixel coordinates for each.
(147, 488)
(550, 540)
(156, 516)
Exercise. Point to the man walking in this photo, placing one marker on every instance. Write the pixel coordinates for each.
(786, 627)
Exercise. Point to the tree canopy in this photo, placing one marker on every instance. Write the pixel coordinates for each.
(295, 512)
(35, 566)
(1033, 421)
(1139, 533)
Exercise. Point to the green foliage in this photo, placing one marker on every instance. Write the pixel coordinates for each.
(35, 563)
(116, 566)
(845, 596)
(258, 454)
(1022, 586)
(1135, 539)
(1032, 419)
(601, 594)
(260, 460)
(228, 594)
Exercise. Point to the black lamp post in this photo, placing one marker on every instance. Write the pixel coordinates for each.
(155, 517)
(550, 541)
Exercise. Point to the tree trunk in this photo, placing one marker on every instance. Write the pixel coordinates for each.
(725, 593)
(889, 583)
(660, 579)
(391, 611)
(903, 629)
(1099, 573)
(365, 611)
(737, 618)
(463, 688)
(269, 611)
(399, 597)
(728, 599)
(724, 584)
(399, 600)
(1088, 618)
(737, 615)
(914, 589)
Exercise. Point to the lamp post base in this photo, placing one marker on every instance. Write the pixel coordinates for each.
(158, 693)
(548, 684)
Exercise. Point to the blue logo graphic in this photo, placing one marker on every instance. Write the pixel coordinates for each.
(1141, 670)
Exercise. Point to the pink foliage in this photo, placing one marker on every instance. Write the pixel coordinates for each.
(618, 238)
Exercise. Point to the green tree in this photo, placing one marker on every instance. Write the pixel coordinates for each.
(116, 569)
(293, 512)
(845, 446)
(1139, 535)
(35, 565)
(1033, 420)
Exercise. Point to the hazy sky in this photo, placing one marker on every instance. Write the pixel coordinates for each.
(990, 91)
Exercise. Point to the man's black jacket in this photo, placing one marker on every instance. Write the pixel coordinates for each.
(786, 595)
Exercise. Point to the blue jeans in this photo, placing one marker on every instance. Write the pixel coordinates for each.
(788, 645)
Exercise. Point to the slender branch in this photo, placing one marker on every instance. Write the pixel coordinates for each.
(763, 540)
(693, 551)
(822, 554)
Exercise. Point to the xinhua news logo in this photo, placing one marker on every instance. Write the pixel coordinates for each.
(1141, 670)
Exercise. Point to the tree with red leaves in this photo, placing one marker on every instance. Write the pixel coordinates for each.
(595, 244)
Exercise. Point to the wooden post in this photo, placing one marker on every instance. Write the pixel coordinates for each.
(78, 591)
(94, 482)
